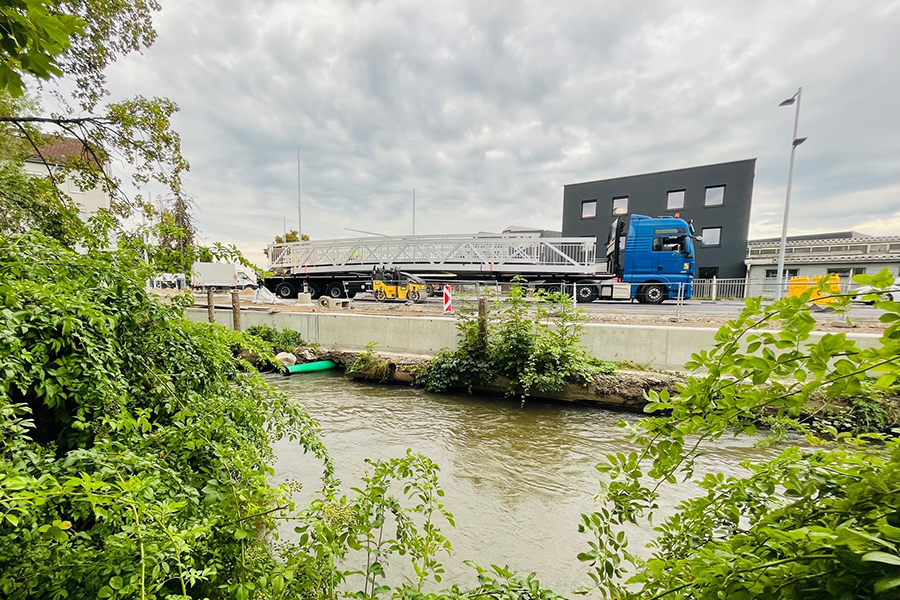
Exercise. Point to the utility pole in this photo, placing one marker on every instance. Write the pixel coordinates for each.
(414, 211)
(299, 206)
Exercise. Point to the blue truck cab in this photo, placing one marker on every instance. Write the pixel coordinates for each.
(656, 256)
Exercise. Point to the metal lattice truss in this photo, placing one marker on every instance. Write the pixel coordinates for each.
(457, 254)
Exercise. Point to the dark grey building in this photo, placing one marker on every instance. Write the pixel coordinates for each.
(716, 197)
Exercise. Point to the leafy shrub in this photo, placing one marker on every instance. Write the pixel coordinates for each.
(540, 351)
(816, 522)
(281, 340)
(134, 445)
(371, 364)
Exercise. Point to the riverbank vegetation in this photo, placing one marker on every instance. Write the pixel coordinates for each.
(540, 352)
(135, 455)
(819, 520)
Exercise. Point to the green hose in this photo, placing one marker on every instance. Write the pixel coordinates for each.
(319, 365)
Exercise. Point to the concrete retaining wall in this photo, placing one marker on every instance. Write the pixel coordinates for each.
(653, 346)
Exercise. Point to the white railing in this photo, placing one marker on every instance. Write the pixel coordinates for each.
(738, 289)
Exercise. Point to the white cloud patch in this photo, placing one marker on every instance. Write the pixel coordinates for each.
(488, 108)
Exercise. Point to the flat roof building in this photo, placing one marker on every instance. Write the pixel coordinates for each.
(715, 197)
(844, 253)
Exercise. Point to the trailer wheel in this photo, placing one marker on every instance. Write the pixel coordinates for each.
(587, 292)
(335, 290)
(652, 294)
(285, 290)
(314, 292)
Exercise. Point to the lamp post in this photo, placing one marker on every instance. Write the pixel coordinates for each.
(795, 141)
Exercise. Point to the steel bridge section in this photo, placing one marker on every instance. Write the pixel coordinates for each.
(456, 254)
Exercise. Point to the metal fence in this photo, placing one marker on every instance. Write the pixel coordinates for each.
(738, 289)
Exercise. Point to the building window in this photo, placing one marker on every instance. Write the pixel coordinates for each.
(620, 205)
(857, 249)
(73, 187)
(708, 272)
(878, 248)
(715, 196)
(588, 209)
(859, 271)
(788, 273)
(712, 236)
(675, 200)
(839, 272)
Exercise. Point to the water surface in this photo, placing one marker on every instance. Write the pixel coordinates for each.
(516, 477)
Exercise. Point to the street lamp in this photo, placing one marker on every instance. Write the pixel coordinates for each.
(795, 141)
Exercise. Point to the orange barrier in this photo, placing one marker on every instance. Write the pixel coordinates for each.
(800, 284)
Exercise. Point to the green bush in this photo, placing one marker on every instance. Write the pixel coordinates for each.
(539, 351)
(818, 521)
(134, 445)
(281, 340)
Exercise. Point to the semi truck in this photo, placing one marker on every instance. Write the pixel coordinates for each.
(209, 276)
(645, 259)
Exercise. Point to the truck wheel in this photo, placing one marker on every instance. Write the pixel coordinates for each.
(335, 290)
(380, 295)
(314, 292)
(285, 290)
(652, 294)
(587, 292)
(553, 288)
(413, 295)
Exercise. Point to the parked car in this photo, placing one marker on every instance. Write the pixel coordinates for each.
(892, 294)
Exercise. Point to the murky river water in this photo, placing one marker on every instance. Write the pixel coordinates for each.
(516, 478)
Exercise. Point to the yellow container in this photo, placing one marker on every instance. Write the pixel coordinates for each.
(800, 284)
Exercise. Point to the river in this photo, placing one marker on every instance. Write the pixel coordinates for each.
(516, 478)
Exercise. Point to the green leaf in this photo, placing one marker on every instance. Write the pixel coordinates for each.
(882, 557)
(886, 583)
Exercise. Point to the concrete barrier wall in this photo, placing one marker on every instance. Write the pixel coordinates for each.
(650, 345)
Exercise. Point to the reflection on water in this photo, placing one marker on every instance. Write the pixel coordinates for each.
(516, 478)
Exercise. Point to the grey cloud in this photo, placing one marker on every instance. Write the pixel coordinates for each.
(488, 108)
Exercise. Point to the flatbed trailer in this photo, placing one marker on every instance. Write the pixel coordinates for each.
(652, 262)
(340, 268)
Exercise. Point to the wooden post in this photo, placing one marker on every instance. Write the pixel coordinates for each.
(482, 326)
(236, 310)
(210, 307)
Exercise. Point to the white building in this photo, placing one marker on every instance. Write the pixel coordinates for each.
(845, 253)
(56, 153)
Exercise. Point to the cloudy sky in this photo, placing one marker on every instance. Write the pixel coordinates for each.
(488, 107)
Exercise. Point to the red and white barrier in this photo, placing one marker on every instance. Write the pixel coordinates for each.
(448, 300)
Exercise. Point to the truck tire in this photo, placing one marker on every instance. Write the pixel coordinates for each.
(314, 292)
(652, 294)
(380, 295)
(586, 291)
(413, 295)
(335, 290)
(285, 290)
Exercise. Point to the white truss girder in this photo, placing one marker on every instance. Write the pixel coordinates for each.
(455, 254)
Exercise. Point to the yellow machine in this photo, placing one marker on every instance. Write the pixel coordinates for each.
(395, 285)
(801, 284)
